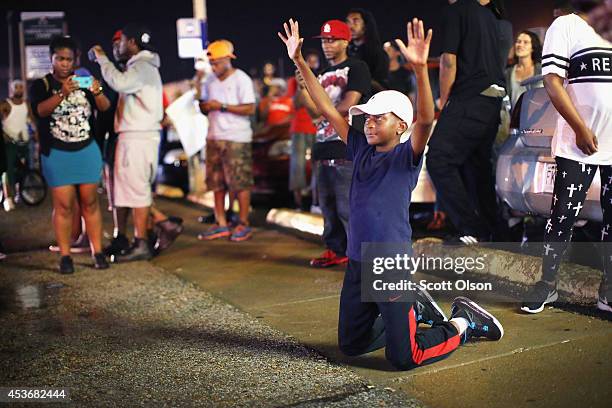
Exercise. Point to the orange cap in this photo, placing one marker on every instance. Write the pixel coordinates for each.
(220, 49)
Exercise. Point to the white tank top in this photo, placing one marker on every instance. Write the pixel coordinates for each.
(15, 126)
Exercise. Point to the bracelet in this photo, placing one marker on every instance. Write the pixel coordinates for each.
(60, 94)
(100, 89)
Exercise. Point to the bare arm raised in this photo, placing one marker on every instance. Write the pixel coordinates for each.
(293, 42)
(417, 52)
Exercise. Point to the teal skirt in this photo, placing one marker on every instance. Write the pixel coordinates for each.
(63, 168)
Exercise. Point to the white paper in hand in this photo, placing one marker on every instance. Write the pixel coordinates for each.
(190, 124)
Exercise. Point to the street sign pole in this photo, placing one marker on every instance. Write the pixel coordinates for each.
(196, 171)
(199, 9)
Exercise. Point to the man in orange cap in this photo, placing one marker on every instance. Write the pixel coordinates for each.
(228, 98)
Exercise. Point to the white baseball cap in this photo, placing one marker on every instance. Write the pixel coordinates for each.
(385, 102)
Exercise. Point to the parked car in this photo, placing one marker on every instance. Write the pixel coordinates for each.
(172, 168)
(525, 174)
(271, 152)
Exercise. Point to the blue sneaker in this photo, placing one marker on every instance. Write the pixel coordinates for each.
(241, 233)
(215, 232)
(480, 322)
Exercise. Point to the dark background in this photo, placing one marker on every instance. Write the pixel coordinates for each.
(251, 25)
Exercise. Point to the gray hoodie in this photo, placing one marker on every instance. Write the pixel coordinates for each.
(140, 107)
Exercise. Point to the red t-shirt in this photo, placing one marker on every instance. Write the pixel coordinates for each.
(280, 109)
(302, 122)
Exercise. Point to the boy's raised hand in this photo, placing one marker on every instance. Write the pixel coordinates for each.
(292, 39)
(417, 50)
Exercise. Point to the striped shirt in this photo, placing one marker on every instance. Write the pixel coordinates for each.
(575, 52)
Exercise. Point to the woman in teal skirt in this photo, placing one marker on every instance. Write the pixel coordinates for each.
(71, 160)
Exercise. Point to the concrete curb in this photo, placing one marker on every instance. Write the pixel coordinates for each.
(577, 283)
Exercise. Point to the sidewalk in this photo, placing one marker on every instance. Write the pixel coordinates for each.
(554, 359)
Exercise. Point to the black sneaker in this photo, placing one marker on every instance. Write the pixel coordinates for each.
(604, 296)
(100, 261)
(480, 322)
(139, 251)
(428, 310)
(66, 266)
(167, 232)
(541, 294)
(118, 245)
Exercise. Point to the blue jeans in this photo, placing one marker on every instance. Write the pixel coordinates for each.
(334, 184)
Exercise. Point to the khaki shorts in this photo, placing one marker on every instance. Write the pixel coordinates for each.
(134, 171)
(229, 165)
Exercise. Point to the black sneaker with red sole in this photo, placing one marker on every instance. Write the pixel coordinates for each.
(327, 259)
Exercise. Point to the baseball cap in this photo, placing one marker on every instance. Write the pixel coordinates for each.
(117, 35)
(335, 29)
(385, 102)
(141, 34)
(220, 49)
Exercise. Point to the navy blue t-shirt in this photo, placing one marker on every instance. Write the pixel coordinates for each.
(380, 194)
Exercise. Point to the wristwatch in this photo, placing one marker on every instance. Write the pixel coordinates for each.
(223, 107)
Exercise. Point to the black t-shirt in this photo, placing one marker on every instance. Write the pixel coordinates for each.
(505, 41)
(401, 80)
(71, 124)
(377, 61)
(350, 75)
(473, 34)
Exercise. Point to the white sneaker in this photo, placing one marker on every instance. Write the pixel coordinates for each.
(9, 204)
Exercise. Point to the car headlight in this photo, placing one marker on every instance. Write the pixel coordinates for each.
(280, 148)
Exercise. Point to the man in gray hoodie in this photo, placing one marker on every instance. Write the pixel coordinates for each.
(137, 121)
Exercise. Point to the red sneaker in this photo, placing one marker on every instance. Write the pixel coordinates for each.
(327, 259)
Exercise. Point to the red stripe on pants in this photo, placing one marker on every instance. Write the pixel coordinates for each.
(420, 355)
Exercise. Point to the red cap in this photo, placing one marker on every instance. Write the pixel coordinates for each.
(335, 29)
(117, 35)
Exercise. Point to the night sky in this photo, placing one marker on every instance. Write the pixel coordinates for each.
(251, 25)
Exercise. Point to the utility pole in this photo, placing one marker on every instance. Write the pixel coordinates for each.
(199, 9)
(195, 170)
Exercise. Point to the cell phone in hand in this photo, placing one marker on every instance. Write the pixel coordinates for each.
(91, 55)
(85, 82)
